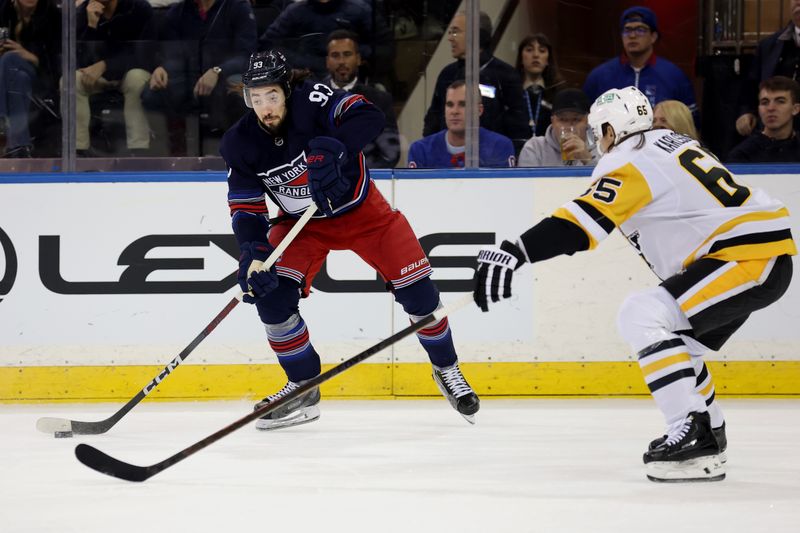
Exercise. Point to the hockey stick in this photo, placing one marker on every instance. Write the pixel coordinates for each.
(105, 464)
(62, 427)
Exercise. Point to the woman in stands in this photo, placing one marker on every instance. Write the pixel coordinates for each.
(674, 115)
(536, 63)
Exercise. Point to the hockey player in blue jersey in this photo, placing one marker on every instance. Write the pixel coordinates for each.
(302, 144)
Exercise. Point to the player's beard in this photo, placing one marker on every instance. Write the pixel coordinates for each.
(273, 127)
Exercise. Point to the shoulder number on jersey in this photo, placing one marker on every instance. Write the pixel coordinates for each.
(604, 189)
(321, 94)
(716, 178)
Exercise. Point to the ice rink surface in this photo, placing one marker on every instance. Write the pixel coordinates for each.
(398, 466)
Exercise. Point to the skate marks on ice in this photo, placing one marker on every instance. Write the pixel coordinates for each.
(527, 465)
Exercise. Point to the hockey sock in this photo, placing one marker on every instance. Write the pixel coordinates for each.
(290, 342)
(704, 385)
(438, 342)
(669, 373)
(419, 300)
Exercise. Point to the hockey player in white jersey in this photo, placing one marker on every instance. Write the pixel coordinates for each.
(722, 250)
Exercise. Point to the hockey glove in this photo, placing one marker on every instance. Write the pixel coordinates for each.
(254, 282)
(325, 180)
(493, 275)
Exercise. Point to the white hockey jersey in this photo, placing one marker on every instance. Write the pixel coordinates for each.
(676, 203)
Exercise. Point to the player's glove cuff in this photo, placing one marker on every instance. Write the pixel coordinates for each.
(508, 255)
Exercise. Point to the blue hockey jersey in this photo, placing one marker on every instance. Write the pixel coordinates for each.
(261, 164)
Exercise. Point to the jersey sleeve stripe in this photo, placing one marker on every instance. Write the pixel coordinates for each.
(345, 104)
(246, 196)
(250, 202)
(585, 220)
(563, 213)
(256, 209)
(604, 222)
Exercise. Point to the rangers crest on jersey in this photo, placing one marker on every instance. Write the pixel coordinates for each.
(288, 184)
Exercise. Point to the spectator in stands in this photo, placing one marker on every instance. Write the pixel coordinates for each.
(205, 48)
(656, 77)
(301, 30)
(536, 64)
(777, 55)
(674, 115)
(446, 148)
(566, 141)
(343, 63)
(500, 86)
(778, 105)
(28, 65)
(113, 36)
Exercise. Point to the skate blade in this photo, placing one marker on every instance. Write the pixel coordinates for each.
(469, 418)
(299, 417)
(453, 403)
(708, 468)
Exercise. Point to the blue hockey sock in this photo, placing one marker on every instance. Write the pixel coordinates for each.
(295, 352)
(438, 342)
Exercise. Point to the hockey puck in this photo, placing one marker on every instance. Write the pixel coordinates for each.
(63, 434)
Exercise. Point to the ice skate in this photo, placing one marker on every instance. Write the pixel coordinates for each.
(455, 388)
(719, 434)
(690, 452)
(300, 410)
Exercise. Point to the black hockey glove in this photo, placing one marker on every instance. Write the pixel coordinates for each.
(493, 275)
(254, 282)
(328, 185)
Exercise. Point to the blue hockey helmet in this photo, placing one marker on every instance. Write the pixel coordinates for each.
(266, 68)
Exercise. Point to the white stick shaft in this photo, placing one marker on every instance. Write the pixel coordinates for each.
(451, 308)
(287, 240)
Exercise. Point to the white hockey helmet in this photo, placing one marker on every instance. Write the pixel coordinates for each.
(627, 111)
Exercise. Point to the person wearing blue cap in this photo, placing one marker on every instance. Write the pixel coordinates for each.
(639, 66)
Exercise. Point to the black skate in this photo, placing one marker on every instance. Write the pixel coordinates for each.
(455, 388)
(689, 453)
(719, 434)
(301, 410)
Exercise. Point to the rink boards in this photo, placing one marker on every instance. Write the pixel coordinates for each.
(104, 278)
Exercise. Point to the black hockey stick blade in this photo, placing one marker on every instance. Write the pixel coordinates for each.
(76, 427)
(105, 464)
